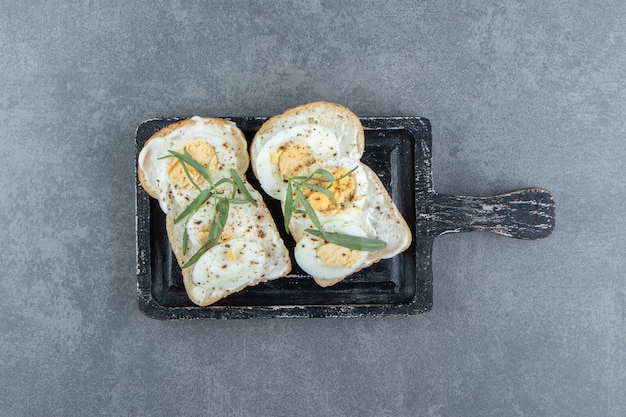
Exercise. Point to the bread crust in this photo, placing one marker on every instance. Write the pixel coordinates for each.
(404, 229)
(329, 282)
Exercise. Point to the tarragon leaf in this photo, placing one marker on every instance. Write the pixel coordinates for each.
(242, 187)
(222, 181)
(217, 226)
(347, 173)
(237, 201)
(349, 241)
(320, 189)
(186, 170)
(324, 173)
(195, 204)
(288, 205)
(310, 211)
(220, 219)
(187, 159)
(185, 240)
(205, 171)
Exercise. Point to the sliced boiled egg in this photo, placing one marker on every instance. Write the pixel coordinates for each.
(228, 267)
(350, 190)
(291, 151)
(323, 260)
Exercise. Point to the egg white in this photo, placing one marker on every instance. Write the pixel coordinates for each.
(228, 266)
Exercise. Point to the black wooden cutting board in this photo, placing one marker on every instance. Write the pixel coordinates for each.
(398, 149)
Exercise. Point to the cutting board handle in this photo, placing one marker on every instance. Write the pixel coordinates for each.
(522, 214)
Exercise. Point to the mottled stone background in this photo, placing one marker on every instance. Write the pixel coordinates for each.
(519, 94)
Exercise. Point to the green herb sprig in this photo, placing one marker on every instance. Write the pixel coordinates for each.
(321, 180)
(216, 191)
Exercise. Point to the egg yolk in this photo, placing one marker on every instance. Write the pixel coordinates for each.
(338, 256)
(293, 157)
(201, 152)
(344, 190)
(226, 235)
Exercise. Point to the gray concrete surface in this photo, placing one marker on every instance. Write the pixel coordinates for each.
(519, 94)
